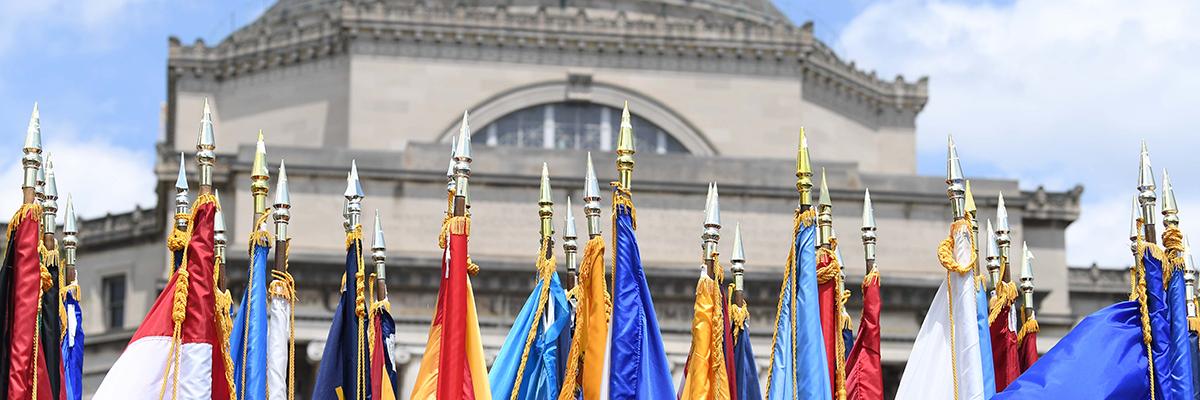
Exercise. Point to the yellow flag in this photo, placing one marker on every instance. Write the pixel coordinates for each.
(706, 375)
(585, 364)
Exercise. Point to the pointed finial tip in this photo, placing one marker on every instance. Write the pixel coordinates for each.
(824, 199)
(739, 250)
(868, 219)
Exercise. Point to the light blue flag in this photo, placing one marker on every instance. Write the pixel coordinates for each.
(541, 378)
(798, 364)
(72, 349)
(638, 366)
(248, 339)
(985, 343)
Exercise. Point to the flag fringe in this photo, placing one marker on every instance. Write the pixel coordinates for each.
(1006, 294)
(799, 220)
(545, 269)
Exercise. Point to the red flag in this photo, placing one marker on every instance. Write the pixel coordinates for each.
(864, 371)
(26, 375)
(1027, 344)
(1004, 346)
(179, 348)
(828, 273)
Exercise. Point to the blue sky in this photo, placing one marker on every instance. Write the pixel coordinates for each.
(1031, 89)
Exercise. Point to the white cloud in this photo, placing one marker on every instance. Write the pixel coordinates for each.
(66, 25)
(100, 176)
(1053, 92)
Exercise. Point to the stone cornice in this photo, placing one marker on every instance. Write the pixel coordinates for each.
(565, 36)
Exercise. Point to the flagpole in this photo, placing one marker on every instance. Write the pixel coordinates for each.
(957, 184)
(570, 247)
(546, 212)
(379, 256)
(32, 161)
(868, 231)
(738, 261)
(259, 177)
(206, 158)
(282, 215)
(49, 207)
(712, 231)
(1003, 243)
(972, 219)
(1146, 197)
(462, 170)
(591, 199)
(70, 241)
(825, 215)
(803, 174)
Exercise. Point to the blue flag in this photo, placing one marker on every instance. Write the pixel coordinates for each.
(541, 374)
(72, 348)
(985, 341)
(343, 370)
(1105, 356)
(638, 366)
(1195, 363)
(745, 367)
(798, 366)
(1180, 361)
(248, 339)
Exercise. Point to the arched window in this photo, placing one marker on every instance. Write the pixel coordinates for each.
(573, 125)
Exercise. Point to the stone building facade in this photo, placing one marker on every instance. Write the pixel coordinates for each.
(719, 90)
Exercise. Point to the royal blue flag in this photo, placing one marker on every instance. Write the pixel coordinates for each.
(745, 367)
(343, 371)
(248, 340)
(638, 366)
(985, 342)
(72, 348)
(1179, 363)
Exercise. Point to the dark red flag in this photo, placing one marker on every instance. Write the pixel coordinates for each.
(1027, 344)
(1004, 348)
(26, 375)
(864, 370)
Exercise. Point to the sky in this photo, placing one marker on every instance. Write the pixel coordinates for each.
(1050, 92)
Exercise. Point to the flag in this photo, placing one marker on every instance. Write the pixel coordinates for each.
(383, 371)
(745, 386)
(1195, 360)
(527, 366)
(829, 275)
(985, 335)
(21, 288)
(343, 370)
(585, 363)
(946, 356)
(50, 323)
(178, 351)
(1027, 351)
(281, 340)
(799, 368)
(72, 345)
(707, 376)
(1110, 354)
(1179, 362)
(248, 341)
(637, 363)
(453, 366)
(1005, 354)
(864, 371)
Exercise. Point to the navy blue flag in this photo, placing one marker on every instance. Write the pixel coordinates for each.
(343, 372)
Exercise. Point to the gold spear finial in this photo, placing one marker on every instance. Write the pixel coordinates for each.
(625, 149)
(804, 173)
(259, 178)
(825, 213)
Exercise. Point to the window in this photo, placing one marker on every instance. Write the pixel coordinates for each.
(573, 125)
(113, 289)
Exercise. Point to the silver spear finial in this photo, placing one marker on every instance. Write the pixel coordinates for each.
(1146, 196)
(32, 160)
(206, 146)
(591, 199)
(354, 196)
(283, 204)
(957, 184)
(50, 205)
(182, 204)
